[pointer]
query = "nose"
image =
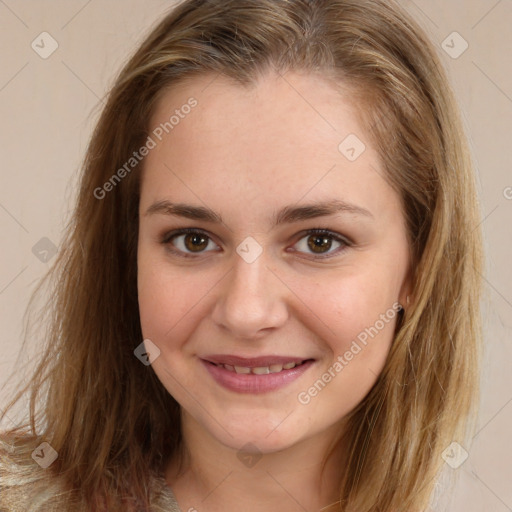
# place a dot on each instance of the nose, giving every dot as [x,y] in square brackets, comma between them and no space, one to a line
[251,300]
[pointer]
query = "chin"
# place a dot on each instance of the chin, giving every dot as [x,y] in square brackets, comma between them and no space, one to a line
[261,436]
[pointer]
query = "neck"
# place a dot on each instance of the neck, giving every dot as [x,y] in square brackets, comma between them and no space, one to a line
[210,476]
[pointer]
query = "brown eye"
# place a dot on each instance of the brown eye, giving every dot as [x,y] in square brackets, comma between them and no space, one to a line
[195,242]
[188,241]
[319,243]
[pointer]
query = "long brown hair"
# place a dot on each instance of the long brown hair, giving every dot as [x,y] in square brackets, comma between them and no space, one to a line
[108,416]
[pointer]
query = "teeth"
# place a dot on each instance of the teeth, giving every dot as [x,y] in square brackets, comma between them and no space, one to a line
[260,370]
[241,369]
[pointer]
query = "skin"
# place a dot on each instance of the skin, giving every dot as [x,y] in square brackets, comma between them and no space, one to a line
[246,153]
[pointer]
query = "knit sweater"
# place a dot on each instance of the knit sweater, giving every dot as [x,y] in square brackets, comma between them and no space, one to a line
[25,488]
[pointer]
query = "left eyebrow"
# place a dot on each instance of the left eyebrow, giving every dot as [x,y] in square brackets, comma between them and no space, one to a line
[310,211]
[286,215]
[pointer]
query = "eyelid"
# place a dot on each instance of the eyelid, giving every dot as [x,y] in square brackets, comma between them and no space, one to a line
[345,241]
[166,237]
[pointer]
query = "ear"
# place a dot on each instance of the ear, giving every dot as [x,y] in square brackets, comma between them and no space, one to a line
[406,291]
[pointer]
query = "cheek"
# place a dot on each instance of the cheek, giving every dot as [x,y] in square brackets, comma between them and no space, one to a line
[355,313]
[170,300]
[360,312]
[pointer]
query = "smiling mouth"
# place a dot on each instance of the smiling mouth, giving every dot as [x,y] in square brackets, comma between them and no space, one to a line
[255,375]
[260,370]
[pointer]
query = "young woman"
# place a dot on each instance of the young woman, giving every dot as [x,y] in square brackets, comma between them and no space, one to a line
[268,296]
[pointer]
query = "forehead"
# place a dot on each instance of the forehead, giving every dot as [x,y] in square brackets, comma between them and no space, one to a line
[281,138]
[269,106]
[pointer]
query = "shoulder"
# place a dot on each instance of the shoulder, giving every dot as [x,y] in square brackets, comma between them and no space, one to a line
[24,485]
[163,499]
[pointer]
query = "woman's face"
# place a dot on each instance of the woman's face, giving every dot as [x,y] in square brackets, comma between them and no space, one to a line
[252,171]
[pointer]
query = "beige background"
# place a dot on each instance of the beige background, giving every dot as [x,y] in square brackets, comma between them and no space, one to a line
[49,106]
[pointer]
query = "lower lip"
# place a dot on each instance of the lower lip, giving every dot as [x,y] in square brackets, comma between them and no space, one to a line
[250,383]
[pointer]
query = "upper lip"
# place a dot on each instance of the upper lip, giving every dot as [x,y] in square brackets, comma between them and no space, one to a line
[253,362]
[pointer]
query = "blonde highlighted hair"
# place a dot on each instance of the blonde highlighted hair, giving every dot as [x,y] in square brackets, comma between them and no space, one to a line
[111,421]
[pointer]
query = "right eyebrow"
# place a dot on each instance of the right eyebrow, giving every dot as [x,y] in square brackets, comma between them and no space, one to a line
[184,210]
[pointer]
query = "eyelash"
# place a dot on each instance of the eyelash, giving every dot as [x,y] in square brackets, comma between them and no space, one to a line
[166,240]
